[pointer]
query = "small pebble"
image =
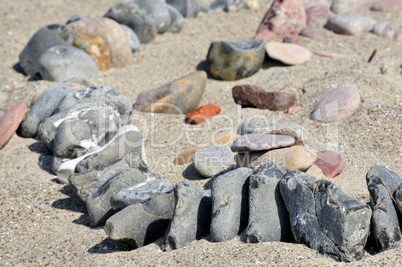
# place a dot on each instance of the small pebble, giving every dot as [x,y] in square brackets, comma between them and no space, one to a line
[350,25]
[314,33]
[202,113]
[387,6]
[385,30]
[290,54]
[330,163]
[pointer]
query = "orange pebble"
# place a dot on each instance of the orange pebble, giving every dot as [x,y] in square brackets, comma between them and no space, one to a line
[202,113]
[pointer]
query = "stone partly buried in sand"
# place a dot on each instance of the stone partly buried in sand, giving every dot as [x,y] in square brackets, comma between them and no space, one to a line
[231,61]
[290,54]
[350,25]
[202,113]
[249,95]
[177,97]
[337,105]
[261,142]
[10,122]
[330,163]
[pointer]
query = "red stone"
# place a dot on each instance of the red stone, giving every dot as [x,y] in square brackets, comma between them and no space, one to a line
[10,122]
[202,113]
[330,163]
[388,6]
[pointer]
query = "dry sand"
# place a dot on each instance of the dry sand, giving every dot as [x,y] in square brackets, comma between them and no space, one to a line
[42,222]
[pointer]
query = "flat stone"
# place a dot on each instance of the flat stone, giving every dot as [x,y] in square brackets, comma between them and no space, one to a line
[46,37]
[350,25]
[314,33]
[188,8]
[202,113]
[177,20]
[291,54]
[231,61]
[248,95]
[211,160]
[337,105]
[330,163]
[177,97]
[350,6]
[317,15]
[261,142]
[385,30]
[289,158]
[131,37]
[230,194]
[10,121]
[192,216]
[387,6]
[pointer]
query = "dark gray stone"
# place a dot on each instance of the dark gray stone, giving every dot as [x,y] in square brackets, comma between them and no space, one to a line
[230,204]
[268,217]
[324,218]
[192,216]
[46,37]
[76,17]
[188,8]
[211,160]
[132,38]
[158,11]
[177,20]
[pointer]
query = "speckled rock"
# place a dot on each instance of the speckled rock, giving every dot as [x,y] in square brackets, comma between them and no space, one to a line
[10,121]
[94,46]
[188,8]
[131,37]
[211,160]
[314,33]
[387,6]
[350,25]
[177,20]
[350,6]
[317,15]
[261,142]
[290,54]
[330,163]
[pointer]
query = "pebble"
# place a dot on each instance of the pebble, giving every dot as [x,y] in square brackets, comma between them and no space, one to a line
[387,6]
[350,25]
[350,6]
[330,163]
[211,160]
[337,105]
[202,113]
[46,37]
[177,20]
[290,54]
[188,8]
[10,121]
[177,97]
[131,37]
[158,11]
[249,95]
[228,60]
[292,110]
[317,15]
[261,142]
[62,62]
[385,30]
[314,33]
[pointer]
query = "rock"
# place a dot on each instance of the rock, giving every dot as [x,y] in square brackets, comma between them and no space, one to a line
[314,33]
[350,6]
[177,97]
[112,34]
[291,39]
[231,61]
[211,160]
[177,20]
[76,17]
[187,155]
[204,7]
[44,38]
[136,17]
[192,216]
[61,62]
[188,8]
[382,184]
[10,121]
[350,25]
[325,218]
[202,113]
[330,163]
[317,15]
[268,217]
[158,11]
[387,6]
[230,193]
[290,54]
[309,3]
[385,30]
[323,53]
[289,158]
[337,105]
[261,142]
[248,95]
[284,17]
[292,110]
[131,37]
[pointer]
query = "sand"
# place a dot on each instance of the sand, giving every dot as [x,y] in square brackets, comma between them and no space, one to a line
[43,223]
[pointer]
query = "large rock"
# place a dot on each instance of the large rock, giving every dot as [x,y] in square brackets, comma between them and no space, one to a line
[177,97]
[261,142]
[325,218]
[10,121]
[94,46]
[231,61]
[211,160]
[350,25]
[188,8]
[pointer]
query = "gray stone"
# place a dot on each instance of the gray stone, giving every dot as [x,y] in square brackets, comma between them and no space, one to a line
[192,216]
[268,217]
[158,11]
[188,8]
[46,37]
[230,204]
[213,159]
[76,17]
[382,184]
[177,20]
[132,38]
[260,142]
[78,80]
[350,25]
[204,7]
[324,218]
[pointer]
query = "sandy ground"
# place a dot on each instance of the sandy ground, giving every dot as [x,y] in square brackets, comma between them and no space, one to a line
[43,223]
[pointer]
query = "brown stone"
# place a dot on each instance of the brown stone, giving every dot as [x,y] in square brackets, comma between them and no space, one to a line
[10,121]
[94,46]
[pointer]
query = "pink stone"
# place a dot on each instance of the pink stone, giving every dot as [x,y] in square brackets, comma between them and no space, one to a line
[10,121]
[330,163]
[317,15]
[388,6]
[314,33]
[384,29]
[291,54]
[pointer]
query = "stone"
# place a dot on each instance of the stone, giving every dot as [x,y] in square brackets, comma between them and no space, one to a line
[261,142]
[136,17]
[385,30]
[323,53]
[289,158]
[290,54]
[94,46]
[112,34]
[230,193]
[231,61]
[350,25]
[10,121]
[61,62]
[158,12]
[249,95]
[337,105]
[76,17]
[324,218]
[284,17]
[177,97]
[330,163]
[317,15]
[211,160]
[202,113]
[192,216]
[309,3]
[131,37]
[314,33]
[46,37]
[291,39]
[292,110]
[221,137]
[177,20]
[387,6]
[268,217]
[204,7]
[188,8]
[382,184]
[350,6]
